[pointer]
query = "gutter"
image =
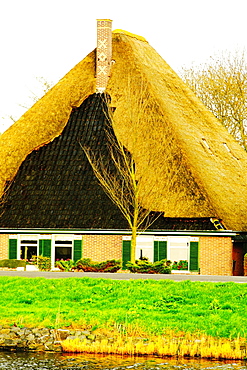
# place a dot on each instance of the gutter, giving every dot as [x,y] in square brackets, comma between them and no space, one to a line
[211,233]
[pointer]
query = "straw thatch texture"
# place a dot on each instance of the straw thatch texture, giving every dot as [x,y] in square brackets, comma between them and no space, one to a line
[189,165]
[46,119]
[198,169]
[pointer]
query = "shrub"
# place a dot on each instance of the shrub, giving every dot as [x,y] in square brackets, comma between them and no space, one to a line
[181,265]
[85,264]
[43,263]
[12,263]
[65,265]
[245,264]
[144,266]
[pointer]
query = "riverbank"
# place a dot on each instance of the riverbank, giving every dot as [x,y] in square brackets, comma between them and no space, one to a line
[137,317]
[39,339]
[172,344]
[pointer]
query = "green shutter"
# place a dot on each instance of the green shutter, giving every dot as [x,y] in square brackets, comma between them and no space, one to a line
[77,250]
[156,250]
[126,248]
[12,249]
[45,248]
[194,265]
[160,250]
[40,253]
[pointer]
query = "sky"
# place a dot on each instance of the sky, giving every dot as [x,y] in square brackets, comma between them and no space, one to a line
[48,38]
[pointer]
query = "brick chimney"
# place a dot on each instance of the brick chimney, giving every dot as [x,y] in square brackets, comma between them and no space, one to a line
[104,53]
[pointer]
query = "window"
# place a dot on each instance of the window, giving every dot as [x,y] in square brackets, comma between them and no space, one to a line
[28,246]
[63,247]
[51,246]
[184,249]
[156,248]
[178,249]
[144,247]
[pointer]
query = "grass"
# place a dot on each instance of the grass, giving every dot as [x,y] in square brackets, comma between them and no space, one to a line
[170,344]
[214,309]
[164,317]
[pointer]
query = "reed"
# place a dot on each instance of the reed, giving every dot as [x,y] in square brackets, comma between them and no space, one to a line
[170,344]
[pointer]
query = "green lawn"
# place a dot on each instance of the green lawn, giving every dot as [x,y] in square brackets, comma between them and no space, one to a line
[217,309]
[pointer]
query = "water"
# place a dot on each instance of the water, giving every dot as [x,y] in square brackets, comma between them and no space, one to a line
[50,361]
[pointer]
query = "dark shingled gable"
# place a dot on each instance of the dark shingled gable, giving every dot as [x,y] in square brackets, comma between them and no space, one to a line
[55,187]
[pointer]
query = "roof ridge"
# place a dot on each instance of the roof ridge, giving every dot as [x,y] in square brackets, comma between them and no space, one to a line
[141,38]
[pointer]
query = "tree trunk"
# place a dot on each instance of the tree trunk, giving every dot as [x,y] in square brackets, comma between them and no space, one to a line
[135,221]
[133,245]
[25,257]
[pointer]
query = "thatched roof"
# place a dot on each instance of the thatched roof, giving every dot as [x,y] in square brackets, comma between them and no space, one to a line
[55,186]
[199,170]
[195,168]
[46,119]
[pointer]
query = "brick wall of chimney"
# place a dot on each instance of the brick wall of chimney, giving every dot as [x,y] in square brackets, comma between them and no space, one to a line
[104,53]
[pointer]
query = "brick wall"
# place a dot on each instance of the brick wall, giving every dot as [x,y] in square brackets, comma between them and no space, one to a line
[215,255]
[102,247]
[104,53]
[4,242]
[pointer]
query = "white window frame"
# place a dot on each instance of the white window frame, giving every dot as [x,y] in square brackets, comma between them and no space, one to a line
[61,237]
[145,243]
[179,240]
[21,237]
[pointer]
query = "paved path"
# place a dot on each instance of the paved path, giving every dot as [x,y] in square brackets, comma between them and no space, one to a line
[125,276]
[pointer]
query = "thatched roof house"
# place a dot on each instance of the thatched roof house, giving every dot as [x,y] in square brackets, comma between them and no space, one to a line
[198,168]
[195,168]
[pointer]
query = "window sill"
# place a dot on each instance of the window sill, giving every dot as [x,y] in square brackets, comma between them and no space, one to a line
[180,272]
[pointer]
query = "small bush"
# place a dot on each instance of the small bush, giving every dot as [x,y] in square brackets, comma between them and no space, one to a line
[144,266]
[181,265]
[85,264]
[65,265]
[43,263]
[12,263]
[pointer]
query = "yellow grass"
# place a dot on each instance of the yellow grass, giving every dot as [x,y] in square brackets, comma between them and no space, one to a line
[171,344]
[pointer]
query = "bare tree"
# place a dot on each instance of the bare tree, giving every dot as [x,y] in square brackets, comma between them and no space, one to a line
[41,89]
[221,84]
[116,171]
